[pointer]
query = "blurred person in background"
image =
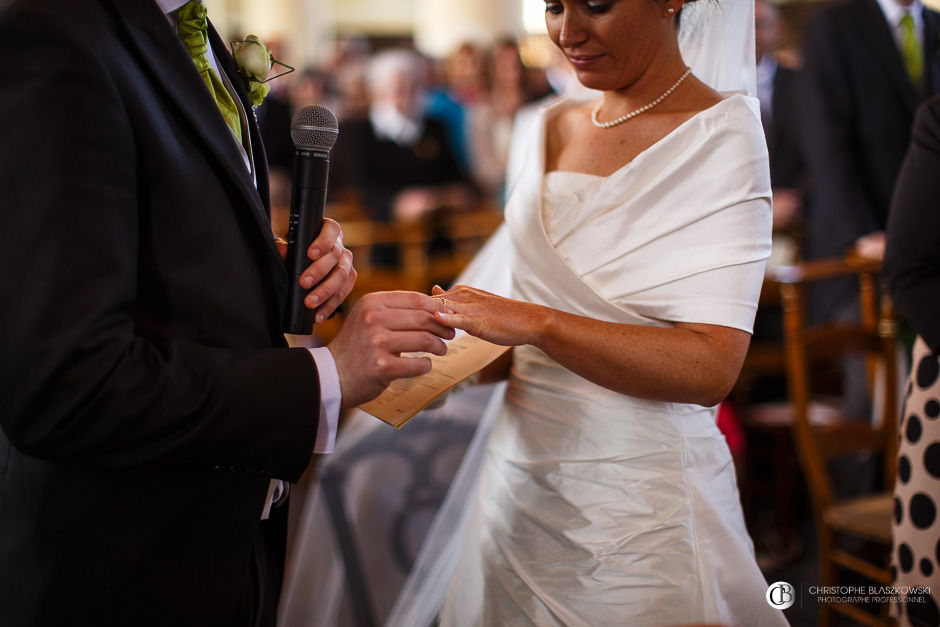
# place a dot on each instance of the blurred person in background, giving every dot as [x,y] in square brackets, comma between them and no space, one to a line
[399,159]
[346,72]
[868,63]
[489,123]
[461,87]
[778,91]
[311,86]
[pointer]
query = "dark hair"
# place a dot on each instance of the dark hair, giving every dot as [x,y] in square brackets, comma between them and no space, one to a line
[679,14]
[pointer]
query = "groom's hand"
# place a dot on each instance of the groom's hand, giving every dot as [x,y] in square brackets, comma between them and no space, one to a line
[331,270]
[368,349]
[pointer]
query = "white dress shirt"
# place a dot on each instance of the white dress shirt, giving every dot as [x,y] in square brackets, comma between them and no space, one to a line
[330,392]
[894,12]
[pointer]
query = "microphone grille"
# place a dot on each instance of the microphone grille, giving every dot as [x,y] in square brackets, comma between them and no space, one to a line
[314,128]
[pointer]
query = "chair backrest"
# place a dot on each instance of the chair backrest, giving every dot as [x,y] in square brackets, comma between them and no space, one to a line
[809,347]
[421,262]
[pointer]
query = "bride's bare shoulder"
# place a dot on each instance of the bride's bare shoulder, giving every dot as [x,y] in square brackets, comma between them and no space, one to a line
[568,121]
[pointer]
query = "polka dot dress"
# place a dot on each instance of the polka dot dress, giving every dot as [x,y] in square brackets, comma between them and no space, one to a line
[915,558]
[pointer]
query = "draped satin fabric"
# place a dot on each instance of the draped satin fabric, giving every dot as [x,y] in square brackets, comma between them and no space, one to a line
[596,508]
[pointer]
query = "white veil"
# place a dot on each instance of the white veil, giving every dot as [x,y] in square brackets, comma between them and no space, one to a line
[716,38]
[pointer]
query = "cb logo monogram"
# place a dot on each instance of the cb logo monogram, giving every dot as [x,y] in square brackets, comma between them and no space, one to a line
[780,595]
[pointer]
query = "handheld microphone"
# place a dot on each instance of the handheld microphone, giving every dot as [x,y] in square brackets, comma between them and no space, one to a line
[313,131]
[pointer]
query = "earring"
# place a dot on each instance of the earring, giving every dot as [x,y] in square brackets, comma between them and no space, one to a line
[670,11]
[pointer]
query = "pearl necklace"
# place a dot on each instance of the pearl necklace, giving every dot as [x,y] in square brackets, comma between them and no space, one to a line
[643,109]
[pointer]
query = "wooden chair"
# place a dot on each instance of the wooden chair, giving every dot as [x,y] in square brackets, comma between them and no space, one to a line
[419,266]
[822,437]
[771,481]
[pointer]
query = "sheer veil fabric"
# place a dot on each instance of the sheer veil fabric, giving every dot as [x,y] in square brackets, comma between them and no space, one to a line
[717,41]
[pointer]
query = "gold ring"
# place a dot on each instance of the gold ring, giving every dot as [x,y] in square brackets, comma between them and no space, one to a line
[444,302]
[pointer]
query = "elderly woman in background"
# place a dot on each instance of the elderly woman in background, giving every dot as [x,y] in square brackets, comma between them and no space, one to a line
[399,160]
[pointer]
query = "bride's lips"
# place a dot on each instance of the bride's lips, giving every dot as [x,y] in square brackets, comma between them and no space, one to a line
[581,61]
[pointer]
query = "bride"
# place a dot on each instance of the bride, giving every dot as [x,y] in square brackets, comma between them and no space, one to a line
[639,233]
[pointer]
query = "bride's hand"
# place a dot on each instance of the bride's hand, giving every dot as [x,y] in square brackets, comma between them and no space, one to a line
[492,318]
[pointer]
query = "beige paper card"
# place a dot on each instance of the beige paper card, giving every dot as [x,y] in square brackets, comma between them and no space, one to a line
[406,397]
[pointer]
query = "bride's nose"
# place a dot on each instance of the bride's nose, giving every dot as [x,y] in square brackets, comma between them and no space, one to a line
[572,33]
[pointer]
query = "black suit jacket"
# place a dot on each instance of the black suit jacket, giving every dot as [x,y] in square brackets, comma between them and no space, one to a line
[912,253]
[782,130]
[145,396]
[859,108]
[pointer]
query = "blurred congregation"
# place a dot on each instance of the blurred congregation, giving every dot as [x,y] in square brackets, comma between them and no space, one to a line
[419,177]
[834,423]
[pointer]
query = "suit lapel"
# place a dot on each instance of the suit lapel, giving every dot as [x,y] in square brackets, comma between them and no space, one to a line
[932,50]
[227,65]
[874,33]
[170,66]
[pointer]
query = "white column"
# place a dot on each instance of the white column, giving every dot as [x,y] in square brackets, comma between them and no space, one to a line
[314,31]
[306,27]
[442,25]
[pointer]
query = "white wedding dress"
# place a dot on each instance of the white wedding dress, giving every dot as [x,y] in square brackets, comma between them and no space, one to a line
[596,508]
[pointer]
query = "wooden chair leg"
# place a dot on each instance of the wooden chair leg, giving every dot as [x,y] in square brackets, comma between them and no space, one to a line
[827,574]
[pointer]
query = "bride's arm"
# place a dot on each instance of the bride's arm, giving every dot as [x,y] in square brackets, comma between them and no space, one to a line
[688,363]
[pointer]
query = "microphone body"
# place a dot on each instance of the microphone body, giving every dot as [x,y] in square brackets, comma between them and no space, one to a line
[314,131]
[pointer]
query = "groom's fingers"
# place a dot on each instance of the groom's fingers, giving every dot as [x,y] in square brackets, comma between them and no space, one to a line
[334,289]
[404,367]
[409,320]
[413,342]
[412,300]
[330,235]
[405,311]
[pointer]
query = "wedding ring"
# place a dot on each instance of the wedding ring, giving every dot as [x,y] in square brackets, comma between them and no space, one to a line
[444,302]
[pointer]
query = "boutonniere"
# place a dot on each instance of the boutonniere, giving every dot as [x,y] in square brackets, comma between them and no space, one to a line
[254,62]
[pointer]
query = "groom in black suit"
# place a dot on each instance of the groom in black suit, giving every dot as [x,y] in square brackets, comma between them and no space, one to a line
[147,397]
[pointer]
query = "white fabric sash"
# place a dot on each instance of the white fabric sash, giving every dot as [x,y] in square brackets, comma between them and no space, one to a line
[644,244]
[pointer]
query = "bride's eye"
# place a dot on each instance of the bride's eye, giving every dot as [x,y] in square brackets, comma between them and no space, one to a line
[598,7]
[554,8]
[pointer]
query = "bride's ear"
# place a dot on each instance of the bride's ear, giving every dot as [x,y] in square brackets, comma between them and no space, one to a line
[671,8]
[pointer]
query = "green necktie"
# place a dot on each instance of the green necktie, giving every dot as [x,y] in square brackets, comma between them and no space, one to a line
[192,28]
[910,49]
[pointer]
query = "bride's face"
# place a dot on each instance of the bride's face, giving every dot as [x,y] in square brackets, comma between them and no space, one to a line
[611,43]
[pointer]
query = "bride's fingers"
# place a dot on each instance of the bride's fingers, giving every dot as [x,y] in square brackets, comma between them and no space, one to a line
[437,290]
[455,320]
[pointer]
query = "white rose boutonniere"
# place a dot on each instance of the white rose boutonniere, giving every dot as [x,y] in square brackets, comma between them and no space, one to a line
[254,61]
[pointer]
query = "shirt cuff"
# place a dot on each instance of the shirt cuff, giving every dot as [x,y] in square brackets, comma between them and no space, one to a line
[330,397]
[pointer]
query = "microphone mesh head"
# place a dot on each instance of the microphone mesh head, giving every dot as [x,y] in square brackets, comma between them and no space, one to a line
[314,128]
